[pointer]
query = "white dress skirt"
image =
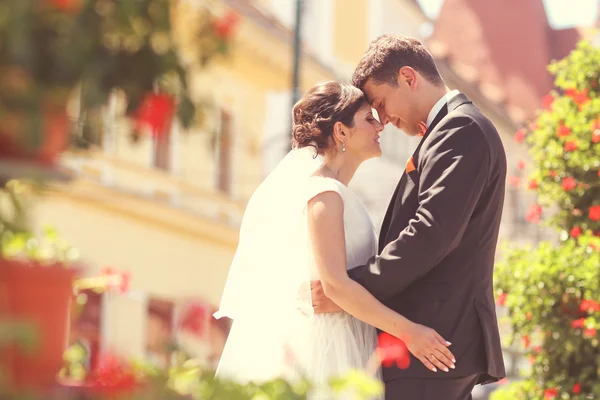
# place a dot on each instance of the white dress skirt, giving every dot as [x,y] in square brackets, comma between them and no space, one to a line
[317,347]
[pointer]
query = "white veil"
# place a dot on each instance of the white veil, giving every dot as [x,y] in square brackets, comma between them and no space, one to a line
[268,281]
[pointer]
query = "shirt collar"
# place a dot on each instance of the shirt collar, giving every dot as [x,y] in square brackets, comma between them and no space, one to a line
[440,103]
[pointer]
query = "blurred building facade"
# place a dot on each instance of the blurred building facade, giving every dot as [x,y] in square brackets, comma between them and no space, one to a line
[167,209]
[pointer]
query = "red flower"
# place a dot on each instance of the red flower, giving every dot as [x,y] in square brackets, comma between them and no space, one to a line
[392,350]
[571,146]
[521,164]
[596,131]
[534,213]
[568,183]
[550,393]
[194,320]
[124,285]
[537,349]
[578,323]
[225,26]
[576,388]
[156,112]
[520,135]
[514,181]
[501,299]
[503,381]
[547,101]
[533,184]
[595,213]
[526,341]
[590,332]
[528,316]
[563,130]
[71,6]
[576,232]
[580,98]
[570,92]
[553,174]
[113,377]
[589,305]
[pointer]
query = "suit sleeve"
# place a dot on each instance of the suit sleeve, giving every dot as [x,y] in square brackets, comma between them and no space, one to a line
[453,172]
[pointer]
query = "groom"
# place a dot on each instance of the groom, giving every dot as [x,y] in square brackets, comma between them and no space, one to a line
[438,239]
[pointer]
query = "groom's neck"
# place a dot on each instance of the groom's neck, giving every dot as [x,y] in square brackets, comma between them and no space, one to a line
[431,95]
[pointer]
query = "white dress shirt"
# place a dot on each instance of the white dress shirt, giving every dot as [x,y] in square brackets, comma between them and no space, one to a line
[438,106]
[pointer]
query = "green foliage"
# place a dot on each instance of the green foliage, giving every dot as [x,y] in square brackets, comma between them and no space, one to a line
[548,292]
[189,379]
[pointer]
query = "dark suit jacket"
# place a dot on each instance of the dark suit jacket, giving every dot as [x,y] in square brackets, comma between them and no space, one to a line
[438,241]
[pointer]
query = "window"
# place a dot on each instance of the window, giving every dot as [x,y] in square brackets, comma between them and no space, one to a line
[89,129]
[159,332]
[224,149]
[162,149]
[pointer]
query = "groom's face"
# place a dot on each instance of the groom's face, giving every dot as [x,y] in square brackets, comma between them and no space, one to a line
[393,105]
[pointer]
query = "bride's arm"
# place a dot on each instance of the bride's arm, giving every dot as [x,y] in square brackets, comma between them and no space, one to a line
[326,232]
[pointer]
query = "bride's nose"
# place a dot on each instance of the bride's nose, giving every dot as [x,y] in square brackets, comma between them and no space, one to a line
[379,126]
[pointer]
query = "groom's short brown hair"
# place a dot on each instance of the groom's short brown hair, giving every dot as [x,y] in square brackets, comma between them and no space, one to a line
[387,54]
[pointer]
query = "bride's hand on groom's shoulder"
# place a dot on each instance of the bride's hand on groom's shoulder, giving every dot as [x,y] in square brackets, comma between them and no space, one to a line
[429,347]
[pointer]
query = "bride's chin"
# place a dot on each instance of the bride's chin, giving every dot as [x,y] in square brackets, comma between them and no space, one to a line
[377,153]
[378,150]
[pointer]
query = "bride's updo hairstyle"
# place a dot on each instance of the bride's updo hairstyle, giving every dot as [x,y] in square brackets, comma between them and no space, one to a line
[315,114]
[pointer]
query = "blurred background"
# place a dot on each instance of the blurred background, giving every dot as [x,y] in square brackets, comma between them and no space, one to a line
[163,207]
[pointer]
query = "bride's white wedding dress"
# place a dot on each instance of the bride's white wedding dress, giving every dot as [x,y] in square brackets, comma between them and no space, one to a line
[274,333]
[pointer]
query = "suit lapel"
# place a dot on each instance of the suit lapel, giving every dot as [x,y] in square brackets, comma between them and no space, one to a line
[450,106]
[388,216]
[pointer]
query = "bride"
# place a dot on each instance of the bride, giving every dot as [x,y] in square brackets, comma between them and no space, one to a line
[303,223]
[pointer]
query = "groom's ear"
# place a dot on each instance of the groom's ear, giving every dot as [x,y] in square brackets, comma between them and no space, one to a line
[407,76]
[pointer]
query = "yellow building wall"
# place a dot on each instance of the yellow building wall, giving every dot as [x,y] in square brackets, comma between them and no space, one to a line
[169,254]
[259,63]
[351,32]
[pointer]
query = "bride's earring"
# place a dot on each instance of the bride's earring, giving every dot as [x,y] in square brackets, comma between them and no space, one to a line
[343,148]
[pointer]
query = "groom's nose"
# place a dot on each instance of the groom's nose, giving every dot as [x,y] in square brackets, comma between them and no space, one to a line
[383,117]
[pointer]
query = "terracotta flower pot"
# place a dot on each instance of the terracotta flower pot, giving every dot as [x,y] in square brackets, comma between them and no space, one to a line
[40,295]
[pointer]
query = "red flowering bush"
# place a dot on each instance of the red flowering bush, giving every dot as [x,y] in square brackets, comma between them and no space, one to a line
[564,143]
[552,292]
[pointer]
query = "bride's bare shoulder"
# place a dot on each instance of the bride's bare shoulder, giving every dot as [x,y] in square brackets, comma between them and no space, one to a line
[320,187]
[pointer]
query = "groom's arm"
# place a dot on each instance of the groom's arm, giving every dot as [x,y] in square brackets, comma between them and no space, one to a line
[452,174]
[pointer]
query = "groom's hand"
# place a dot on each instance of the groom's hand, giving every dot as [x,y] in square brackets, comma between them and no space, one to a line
[321,303]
